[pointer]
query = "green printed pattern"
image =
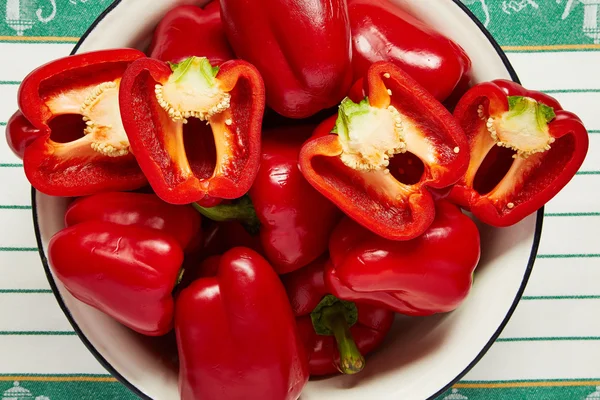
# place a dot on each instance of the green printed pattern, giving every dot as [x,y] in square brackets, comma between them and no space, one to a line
[524,393]
[48,390]
[513,22]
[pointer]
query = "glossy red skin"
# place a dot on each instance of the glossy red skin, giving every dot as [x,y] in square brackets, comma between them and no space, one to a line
[424,276]
[303,76]
[148,126]
[20,133]
[127,272]
[296,220]
[382,31]
[544,180]
[396,218]
[59,175]
[306,288]
[145,210]
[236,334]
[187,31]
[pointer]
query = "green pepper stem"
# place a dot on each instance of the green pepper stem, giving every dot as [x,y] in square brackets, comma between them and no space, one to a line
[242,210]
[351,361]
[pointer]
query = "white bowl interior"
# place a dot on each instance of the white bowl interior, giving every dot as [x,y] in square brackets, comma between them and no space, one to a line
[421,355]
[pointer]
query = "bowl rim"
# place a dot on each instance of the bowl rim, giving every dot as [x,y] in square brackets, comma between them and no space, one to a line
[123,380]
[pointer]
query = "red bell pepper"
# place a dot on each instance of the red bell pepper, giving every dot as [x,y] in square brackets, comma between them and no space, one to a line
[337,334]
[382,31]
[237,336]
[360,166]
[220,237]
[187,31]
[301,48]
[145,210]
[20,134]
[127,272]
[427,275]
[75,144]
[184,165]
[294,220]
[524,149]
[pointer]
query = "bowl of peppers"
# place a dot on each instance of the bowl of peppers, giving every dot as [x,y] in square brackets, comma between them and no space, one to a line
[282,199]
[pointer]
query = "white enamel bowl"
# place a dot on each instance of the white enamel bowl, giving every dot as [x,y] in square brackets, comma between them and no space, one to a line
[422,357]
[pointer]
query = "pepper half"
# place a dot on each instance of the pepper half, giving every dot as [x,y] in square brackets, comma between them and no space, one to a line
[80,146]
[427,275]
[361,168]
[186,165]
[187,31]
[337,334]
[524,149]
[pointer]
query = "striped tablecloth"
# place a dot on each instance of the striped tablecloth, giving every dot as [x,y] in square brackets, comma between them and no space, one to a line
[549,350]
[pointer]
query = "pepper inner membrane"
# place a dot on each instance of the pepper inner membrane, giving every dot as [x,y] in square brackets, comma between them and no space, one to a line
[66,128]
[493,169]
[200,148]
[406,168]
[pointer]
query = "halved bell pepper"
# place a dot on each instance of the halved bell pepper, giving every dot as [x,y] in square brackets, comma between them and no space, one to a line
[75,144]
[382,31]
[125,271]
[165,110]
[337,334]
[427,275]
[294,220]
[524,149]
[140,209]
[236,334]
[301,48]
[187,31]
[360,166]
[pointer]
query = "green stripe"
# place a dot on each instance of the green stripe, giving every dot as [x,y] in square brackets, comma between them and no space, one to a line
[18,249]
[549,50]
[568,256]
[588,173]
[548,339]
[571,91]
[37,333]
[571,297]
[11,165]
[593,131]
[24,291]
[40,41]
[573,214]
[10,207]
[3,123]
[10,82]
[533,380]
[59,375]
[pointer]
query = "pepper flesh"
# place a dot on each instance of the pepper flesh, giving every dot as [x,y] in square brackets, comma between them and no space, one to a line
[145,210]
[250,338]
[20,134]
[300,79]
[127,272]
[548,146]
[72,156]
[306,289]
[427,275]
[186,166]
[187,31]
[382,31]
[356,167]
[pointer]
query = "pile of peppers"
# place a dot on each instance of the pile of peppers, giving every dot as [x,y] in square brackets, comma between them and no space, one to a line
[273,181]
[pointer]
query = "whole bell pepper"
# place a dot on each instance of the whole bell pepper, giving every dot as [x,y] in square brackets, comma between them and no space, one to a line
[145,210]
[359,165]
[382,31]
[524,149]
[337,334]
[303,76]
[125,271]
[427,275]
[163,110]
[236,334]
[294,220]
[187,31]
[70,133]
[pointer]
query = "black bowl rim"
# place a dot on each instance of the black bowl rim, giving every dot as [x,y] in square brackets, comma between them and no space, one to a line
[113,371]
